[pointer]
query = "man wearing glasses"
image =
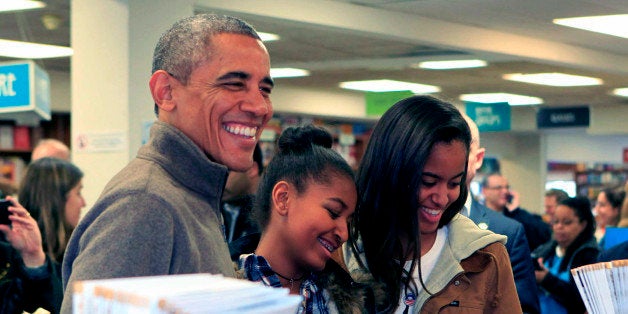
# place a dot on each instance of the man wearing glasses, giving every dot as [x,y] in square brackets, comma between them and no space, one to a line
[499,197]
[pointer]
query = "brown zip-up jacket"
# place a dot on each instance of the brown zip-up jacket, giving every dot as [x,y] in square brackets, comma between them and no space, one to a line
[472,275]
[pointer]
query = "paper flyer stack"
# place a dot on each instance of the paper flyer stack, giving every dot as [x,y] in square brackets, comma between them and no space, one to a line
[194,293]
[603,286]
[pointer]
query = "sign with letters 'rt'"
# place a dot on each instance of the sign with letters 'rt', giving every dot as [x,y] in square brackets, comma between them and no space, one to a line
[24,92]
[489,117]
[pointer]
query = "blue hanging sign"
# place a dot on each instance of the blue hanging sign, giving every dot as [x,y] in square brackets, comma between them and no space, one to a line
[24,92]
[489,117]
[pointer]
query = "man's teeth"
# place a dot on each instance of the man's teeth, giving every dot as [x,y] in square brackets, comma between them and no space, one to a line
[328,246]
[241,130]
[432,212]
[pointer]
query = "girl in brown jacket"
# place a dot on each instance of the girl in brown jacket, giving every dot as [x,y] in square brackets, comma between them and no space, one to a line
[407,235]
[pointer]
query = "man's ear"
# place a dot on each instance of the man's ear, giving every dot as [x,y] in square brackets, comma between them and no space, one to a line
[161,89]
[480,157]
[281,197]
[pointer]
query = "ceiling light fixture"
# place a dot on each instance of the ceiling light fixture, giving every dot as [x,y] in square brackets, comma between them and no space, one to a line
[266,37]
[623,92]
[288,72]
[17,5]
[511,99]
[553,79]
[452,64]
[389,86]
[25,50]
[615,25]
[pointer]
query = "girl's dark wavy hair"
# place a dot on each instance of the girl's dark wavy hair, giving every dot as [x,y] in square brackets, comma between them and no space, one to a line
[389,180]
[304,156]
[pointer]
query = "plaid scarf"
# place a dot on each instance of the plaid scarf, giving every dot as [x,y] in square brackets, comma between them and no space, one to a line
[257,269]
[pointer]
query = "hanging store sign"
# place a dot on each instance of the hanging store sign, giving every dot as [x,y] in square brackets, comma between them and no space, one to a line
[24,92]
[489,117]
[378,102]
[563,117]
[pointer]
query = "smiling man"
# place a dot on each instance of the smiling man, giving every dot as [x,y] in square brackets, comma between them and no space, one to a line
[161,214]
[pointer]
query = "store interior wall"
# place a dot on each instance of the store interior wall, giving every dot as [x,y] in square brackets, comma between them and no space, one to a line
[108,91]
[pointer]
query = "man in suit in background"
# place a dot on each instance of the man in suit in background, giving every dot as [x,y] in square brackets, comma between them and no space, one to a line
[485,218]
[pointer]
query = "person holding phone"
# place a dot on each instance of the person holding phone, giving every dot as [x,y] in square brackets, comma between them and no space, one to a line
[29,279]
[499,197]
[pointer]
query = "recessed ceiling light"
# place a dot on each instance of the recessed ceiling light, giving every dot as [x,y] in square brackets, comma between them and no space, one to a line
[616,25]
[25,50]
[266,37]
[621,91]
[288,72]
[451,64]
[511,99]
[553,79]
[17,5]
[389,86]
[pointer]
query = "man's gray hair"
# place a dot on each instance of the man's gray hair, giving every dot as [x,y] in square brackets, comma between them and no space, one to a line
[187,43]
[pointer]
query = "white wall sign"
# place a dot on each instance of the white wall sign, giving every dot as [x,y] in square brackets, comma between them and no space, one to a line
[101,142]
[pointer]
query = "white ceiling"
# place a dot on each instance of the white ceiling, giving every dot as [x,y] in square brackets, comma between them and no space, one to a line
[373,39]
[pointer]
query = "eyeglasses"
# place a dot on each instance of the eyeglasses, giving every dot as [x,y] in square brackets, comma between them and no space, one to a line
[499,187]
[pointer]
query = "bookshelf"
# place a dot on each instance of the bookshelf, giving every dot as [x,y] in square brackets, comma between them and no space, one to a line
[350,136]
[590,182]
[16,143]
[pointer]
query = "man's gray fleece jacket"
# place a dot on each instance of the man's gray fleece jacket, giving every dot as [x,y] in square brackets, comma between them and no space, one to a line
[159,215]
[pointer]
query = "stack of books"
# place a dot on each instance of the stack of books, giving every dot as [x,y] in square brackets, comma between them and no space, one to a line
[603,286]
[193,293]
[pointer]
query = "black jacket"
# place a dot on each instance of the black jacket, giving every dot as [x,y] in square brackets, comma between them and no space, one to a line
[567,293]
[537,231]
[21,292]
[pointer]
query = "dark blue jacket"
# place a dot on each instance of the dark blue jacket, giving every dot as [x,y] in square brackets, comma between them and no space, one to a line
[518,250]
[537,231]
[619,251]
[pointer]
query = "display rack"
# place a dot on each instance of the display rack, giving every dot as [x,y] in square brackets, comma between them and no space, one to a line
[350,136]
[16,142]
[590,182]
